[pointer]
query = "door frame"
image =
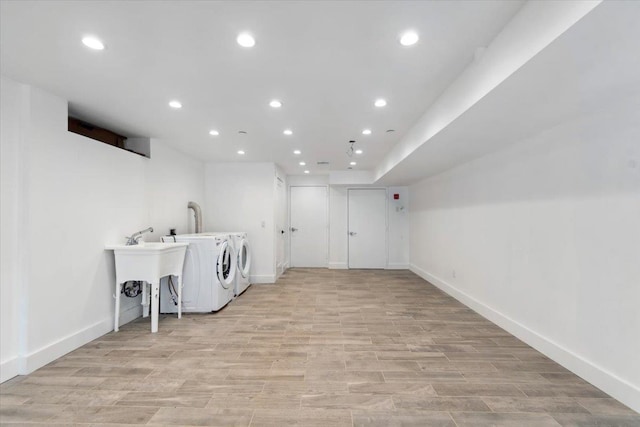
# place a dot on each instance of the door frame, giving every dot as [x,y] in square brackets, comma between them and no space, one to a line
[326,187]
[280,269]
[386,224]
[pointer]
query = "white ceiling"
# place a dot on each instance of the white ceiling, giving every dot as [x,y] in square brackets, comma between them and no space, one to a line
[591,68]
[327,61]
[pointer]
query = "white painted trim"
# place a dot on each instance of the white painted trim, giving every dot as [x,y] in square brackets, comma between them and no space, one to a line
[9,369]
[608,382]
[338,266]
[262,278]
[39,358]
[397,266]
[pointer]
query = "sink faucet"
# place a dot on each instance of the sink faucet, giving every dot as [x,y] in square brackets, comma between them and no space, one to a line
[135,237]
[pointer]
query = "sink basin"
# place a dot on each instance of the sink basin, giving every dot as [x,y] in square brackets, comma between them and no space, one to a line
[148,262]
[149,246]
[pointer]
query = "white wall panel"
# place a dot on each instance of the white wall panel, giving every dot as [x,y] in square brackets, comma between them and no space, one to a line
[398,228]
[14,98]
[544,239]
[241,197]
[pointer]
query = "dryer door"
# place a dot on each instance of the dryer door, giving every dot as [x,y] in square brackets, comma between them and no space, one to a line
[244,258]
[225,269]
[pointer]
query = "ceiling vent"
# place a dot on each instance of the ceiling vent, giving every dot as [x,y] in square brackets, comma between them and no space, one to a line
[323,163]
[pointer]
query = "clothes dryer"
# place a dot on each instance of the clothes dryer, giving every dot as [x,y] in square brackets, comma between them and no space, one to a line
[208,275]
[242,261]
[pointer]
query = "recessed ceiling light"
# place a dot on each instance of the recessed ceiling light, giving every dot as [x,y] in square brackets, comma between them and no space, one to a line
[366,132]
[241,152]
[288,132]
[358,151]
[409,38]
[175,104]
[306,171]
[380,102]
[302,163]
[246,40]
[297,152]
[93,43]
[353,163]
[214,132]
[275,103]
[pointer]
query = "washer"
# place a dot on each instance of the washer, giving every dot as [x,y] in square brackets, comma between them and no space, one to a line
[243,259]
[208,275]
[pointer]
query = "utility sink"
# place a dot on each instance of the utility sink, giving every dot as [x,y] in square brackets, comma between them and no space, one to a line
[148,262]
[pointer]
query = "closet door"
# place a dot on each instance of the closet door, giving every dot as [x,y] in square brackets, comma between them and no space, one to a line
[367,232]
[309,227]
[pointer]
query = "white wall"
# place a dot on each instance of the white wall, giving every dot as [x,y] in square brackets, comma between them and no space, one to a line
[173,179]
[543,238]
[79,194]
[398,218]
[241,197]
[11,116]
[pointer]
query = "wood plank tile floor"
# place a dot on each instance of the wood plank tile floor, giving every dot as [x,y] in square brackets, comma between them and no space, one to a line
[319,348]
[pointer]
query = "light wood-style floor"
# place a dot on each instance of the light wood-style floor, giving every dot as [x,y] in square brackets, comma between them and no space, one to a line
[319,348]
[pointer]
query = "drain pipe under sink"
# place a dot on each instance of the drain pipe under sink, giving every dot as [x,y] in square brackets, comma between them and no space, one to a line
[197,213]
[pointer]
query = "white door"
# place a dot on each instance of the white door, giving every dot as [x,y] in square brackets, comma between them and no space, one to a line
[309,226]
[367,231]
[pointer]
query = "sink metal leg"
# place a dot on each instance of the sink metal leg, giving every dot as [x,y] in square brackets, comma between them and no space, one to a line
[117,313]
[155,298]
[180,297]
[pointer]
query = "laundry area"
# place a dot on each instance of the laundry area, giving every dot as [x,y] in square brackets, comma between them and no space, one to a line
[319,213]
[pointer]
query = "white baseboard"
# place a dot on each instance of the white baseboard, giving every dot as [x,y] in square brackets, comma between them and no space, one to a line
[262,278]
[37,359]
[9,369]
[397,266]
[618,388]
[338,266]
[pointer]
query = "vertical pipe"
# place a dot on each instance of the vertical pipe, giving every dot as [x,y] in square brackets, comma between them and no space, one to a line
[197,213]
